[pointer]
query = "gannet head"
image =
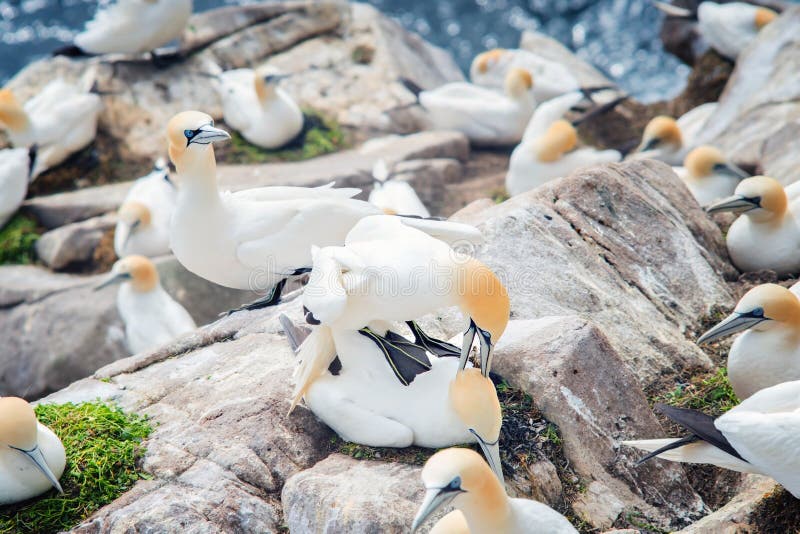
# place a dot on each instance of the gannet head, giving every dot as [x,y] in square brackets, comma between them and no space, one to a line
[19,432]
[266,80]
[518,82]
[762,198]
[325,297]
[474,398]
[661,132]
[763,16]
[190,135]
[484,298]
[705,161]
[138,271]
[485,61]
[560,138]
[132,216]
[762,308]
[12,114]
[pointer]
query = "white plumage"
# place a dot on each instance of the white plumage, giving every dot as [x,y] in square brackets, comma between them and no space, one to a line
[14,172]
[730,28]
[395,196]
[670,140]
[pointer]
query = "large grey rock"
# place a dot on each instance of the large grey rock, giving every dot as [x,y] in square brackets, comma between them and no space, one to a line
[60,209]
[734,517]
[549,48]
[73,243]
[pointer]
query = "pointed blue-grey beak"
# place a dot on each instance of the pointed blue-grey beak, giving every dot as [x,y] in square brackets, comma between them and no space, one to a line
[35,455]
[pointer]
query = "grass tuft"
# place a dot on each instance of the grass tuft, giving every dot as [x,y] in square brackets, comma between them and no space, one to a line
[17,239]
[710,393]
[103,446]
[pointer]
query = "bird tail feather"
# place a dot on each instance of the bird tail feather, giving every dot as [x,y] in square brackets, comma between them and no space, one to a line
[316,354]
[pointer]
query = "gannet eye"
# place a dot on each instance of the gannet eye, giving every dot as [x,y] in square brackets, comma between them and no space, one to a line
[188,133]
[758,312]
[455,484]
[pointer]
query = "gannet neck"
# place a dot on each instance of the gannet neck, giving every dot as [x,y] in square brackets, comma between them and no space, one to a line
[198,173]
[12,114]
[485,505]
[518,83]
[483,297]
[264,91]
[559,139]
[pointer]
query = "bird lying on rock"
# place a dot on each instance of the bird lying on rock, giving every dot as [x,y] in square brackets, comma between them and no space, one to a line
[16,165]
[670,140]
[32,458]
[394,197]
[709,175]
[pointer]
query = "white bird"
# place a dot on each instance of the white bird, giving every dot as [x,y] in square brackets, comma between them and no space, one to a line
[387,391]
[767,352]
[766,235]
[254,105]
[728,28]
[152,318]
[59,121]
[709,175]
[143,218]
[15,169]
[670,140]
[132,27]
[485,116]
[394,197]
[461,477]
[760,435]
[32,458]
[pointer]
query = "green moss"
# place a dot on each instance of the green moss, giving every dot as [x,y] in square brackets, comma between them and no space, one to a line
[408,455]
[710,393]
[637,519]
[499,195]
[103,446]
[17,239]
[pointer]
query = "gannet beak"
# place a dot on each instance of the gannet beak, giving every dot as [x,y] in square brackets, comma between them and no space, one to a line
[730,169]
[208,134]
[650,145]
[435,498]
[115,278]
[36,456]
[735,322]
[466,344]
[127,230]
[275,78]
[491,450]
[735,204]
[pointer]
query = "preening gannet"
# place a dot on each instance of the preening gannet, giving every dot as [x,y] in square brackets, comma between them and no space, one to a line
[255,106]
[760,435]
[152,318]
[709,175]
[461,477]
[768,352]
[670,140]
[59,121]
[766,235]
[32,458]
[486,116]
[395,197]
[143,218]
[15,170]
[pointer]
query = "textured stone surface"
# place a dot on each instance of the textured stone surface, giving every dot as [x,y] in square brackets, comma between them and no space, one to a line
[733,518]
[73,243]
[65,208]
[549,48]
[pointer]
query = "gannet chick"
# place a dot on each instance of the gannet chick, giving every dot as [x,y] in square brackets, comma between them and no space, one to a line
[670,140]
[394,197]
[709,175]
[132,27]
[552,155]
[757,436]
[768,352]
[485,116]
[461,477]
[59,121]
[32,458]
[766,235]
[152,318]
[15,169]
[143,218]
[256,107]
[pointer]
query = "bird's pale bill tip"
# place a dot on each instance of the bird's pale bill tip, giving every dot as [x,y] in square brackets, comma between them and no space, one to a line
[435,498]
[736,322]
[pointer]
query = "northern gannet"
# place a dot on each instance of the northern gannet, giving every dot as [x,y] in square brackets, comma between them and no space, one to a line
[709,175]
[768,352]
[59,121]
[757,436]
[670,140]
[461,477]
[15,170]
[32,458]
[143,218]
[256,107]
[766,235]
[394,197]
[152,318]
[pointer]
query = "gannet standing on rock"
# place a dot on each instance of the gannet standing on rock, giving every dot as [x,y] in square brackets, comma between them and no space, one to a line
[757,436]
[32,458]
[670,140]
[143,218]
[152,318]
[461,477]
[709,175]
[15,170]
[768,352]
[394,197]
[766,235]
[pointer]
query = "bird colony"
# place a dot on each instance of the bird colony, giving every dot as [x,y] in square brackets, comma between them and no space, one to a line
[369,272]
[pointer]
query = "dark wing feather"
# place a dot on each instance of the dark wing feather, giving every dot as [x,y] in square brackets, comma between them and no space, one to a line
[440,348]
[406,359]
[701,425]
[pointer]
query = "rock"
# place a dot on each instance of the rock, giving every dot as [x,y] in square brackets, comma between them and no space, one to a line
[60,209]
[598,506]
[73,243]
[28,284]
[549,48]
[734,517]
[541,483]
[430,178]
[779,156]
[341,494]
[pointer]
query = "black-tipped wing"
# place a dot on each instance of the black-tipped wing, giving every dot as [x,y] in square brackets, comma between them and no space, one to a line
[412,86]
[443,349]
[691,438]
[406,359]
[295,334]
[700,425]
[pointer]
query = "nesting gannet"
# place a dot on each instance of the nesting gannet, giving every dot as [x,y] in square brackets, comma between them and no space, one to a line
[394,393]
[766,235]
[58,121]
[768,352]
[485,116]
[131,27]
[709,175]
[32,457]
[728,28]
[152,318]
[255,106]
[394,196]
[670,140]
[461,477]
[757,436]
[15,169]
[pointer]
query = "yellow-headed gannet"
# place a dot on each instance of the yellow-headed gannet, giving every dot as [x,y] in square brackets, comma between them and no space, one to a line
[152,318]
[15,170]
[394,197]
[766,235]
[32,457]
[768,352]
[461,477]
[760,435]
[670,140]
[709,175]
